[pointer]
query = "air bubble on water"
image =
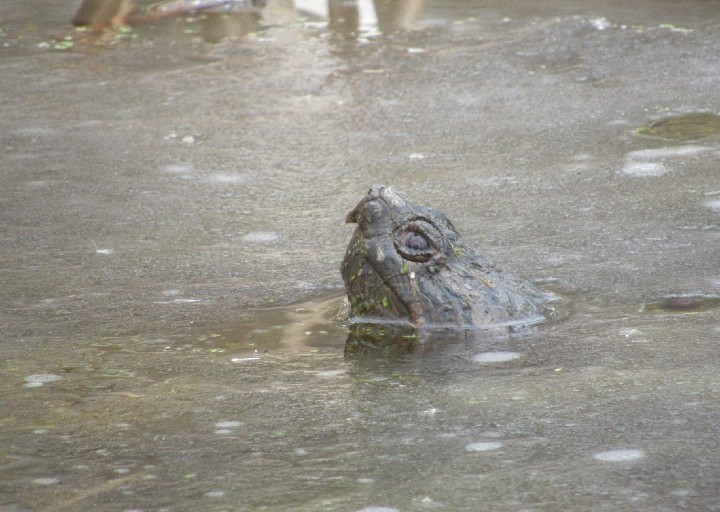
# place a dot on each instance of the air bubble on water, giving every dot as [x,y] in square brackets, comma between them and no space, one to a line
[649,162]
[228,424]
[713,205]
[39,379]
[261,237]
[122,471]
[379,509]
[330,374]
[227,178]
[46,481]
[642,169]
[600,23]
[619,455]
[365,480]
[680,492]
[483,446]
[671,152]
[214,494]
[177,168]
[495,357]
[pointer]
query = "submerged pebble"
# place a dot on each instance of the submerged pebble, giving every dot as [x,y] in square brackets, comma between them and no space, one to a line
[495,357]
[619,455]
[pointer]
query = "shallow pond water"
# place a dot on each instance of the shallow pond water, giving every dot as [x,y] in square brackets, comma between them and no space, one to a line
[171,227]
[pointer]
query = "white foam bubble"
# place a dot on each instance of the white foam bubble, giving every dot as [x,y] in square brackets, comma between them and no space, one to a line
[642,169]
[600,23]
[330,374]
[649,162]
[671,152]
[495,357]
[261,237]
[39,379]
[46,481]
[228,424]
[627,455]
[177,169]
[483,446]
[227,178]
[713,205]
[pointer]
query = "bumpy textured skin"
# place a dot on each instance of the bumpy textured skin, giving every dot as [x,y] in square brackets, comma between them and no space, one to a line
[407,264]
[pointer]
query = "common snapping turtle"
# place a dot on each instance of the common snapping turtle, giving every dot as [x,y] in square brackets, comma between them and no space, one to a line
[407,264]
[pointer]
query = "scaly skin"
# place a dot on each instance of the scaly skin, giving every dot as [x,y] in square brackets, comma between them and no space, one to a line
[407,264]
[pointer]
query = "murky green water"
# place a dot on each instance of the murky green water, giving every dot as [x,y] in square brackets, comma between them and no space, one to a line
[171,227]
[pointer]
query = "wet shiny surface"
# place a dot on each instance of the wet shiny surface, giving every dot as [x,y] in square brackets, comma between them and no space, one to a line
[171,226]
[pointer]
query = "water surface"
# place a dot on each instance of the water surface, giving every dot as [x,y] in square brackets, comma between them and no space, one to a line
[171,226]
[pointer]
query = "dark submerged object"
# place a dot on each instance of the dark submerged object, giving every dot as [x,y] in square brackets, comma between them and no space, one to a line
[407,264]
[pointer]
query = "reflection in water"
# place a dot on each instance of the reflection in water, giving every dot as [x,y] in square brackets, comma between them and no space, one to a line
[362,18]
[220,18]
[399,342]
[102,15]
[348,20]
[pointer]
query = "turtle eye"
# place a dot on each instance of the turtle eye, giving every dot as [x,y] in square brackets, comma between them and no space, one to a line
[416,241]
[413,241]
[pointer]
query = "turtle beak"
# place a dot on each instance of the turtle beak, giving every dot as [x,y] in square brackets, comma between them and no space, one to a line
[354,215]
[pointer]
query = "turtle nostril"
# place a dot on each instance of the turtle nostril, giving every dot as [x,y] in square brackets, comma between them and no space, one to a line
[375,191]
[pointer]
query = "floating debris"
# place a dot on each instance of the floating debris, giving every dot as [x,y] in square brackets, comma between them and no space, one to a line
[683,127]
[682,303]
